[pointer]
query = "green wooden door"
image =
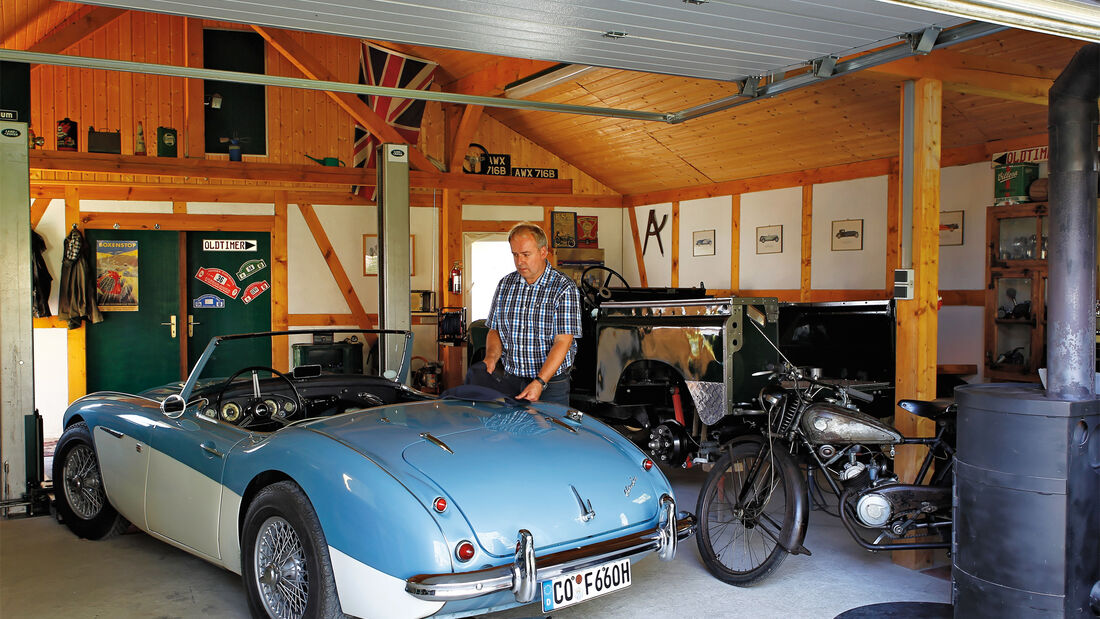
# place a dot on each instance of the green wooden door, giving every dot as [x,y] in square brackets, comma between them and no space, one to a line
[228,291]
[138,272]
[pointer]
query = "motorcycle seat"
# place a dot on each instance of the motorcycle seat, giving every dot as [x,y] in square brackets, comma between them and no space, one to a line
[929,410]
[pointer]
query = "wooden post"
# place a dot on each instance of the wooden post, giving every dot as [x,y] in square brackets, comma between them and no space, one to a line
[450,246]
[917,318]
[675,243]
[280,292]
[735,242]
[807,242]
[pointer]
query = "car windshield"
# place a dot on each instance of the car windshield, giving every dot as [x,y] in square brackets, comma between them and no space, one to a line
[305,353]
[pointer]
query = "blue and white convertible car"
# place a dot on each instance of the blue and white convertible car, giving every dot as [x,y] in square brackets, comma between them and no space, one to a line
[336,493]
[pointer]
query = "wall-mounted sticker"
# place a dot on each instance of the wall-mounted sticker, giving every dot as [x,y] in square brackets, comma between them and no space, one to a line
[254,290]
[588,231]
[229,245]
[208,301]
[116,276]
[250,268]
[218,280]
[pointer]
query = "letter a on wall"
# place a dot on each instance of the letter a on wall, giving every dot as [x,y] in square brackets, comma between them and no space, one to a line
[653,229]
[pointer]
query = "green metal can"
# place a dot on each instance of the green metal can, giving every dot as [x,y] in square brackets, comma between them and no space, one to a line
[1010,182]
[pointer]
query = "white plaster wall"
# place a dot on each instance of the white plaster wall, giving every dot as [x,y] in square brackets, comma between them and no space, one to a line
[960,336]
[629,256]
[969,189]
[658,268]
[780,271]
[51,385]
[865,199]
[706,214]
[123,206]
[52,229]
[230,208]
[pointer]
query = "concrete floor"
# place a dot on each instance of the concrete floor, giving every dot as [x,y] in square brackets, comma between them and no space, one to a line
[46,572]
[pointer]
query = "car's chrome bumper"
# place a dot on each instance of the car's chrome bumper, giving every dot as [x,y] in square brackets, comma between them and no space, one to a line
[524,574]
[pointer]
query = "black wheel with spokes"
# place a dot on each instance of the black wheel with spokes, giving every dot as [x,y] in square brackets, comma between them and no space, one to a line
[78,487]
[287,571]
[748,512]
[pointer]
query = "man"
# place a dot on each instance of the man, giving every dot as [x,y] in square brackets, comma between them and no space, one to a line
[533,321]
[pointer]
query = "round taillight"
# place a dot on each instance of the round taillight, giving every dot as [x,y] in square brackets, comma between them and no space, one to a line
[647,464]
[465,551]
[440,504]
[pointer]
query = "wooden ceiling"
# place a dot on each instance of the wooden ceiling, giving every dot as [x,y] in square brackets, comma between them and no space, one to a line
[994,90]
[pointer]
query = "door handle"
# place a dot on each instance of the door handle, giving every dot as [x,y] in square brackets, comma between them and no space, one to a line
[171,322]
[209,448]
[191,325]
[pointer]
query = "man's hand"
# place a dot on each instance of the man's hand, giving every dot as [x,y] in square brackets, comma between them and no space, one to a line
[494,348]
[531,392]
[490,365]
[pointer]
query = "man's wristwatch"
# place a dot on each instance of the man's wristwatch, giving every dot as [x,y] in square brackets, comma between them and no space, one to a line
[540,381]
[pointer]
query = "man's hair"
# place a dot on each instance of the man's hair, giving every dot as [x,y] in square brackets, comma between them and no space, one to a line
[528,228]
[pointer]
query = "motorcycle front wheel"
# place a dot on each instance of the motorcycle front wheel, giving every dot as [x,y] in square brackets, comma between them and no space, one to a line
[747,512]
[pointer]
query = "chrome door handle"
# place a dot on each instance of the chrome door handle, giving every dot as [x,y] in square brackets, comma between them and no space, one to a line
[210,449]
[171,322]
[191,325]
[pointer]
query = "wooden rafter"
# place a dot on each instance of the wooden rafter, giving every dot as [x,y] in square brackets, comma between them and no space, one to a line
[491,80]
[279,172]
[353,105]
[471,116]
[334,266]
[38,209]
[83,22]
[955,71]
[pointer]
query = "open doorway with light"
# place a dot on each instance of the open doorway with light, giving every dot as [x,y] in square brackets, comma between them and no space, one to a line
[489,258]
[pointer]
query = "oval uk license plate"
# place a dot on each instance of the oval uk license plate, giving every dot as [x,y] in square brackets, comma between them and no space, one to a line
[577,587]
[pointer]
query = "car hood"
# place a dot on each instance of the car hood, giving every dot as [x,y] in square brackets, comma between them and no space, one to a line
[508,468]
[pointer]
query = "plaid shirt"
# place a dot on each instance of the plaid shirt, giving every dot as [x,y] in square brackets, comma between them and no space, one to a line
[528,316]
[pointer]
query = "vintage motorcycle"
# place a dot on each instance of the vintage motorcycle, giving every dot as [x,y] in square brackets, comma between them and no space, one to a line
[810,440]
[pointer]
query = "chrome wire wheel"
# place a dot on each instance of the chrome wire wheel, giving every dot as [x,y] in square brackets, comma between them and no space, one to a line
[280,568]
[81,482]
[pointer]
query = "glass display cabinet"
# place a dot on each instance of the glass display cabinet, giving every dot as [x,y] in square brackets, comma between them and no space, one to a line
[1015,298]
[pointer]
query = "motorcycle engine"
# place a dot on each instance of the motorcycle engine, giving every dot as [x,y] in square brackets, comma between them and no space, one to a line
[873,510]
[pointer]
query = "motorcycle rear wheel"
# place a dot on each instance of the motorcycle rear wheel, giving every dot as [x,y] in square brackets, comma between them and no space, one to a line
[742,543]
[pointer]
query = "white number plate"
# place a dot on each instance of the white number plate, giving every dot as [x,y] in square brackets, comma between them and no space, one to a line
[576,587]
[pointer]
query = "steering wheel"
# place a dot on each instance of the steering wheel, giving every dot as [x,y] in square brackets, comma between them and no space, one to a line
[256,408]
[593,293]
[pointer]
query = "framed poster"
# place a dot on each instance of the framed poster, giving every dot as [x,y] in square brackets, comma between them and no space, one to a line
[563,229]
[847,235]
[951,228]
[587,231]
[769,239]
[116,276]
[370,254]
[702,243]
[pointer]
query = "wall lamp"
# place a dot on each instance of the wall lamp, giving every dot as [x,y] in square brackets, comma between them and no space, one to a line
[213,101]
[544,79]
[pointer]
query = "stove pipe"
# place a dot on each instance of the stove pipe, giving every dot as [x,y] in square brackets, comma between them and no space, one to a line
[1071,319]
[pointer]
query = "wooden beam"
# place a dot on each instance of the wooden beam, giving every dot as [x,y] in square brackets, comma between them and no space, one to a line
[637,245]
[352,104]
[334,266]
[38,209]
[917,318]
[467,127]
[848,171]
[957,77]
[806,273]
[450,247]
[183,193]
[487,226]
[82,23]
[527,199]
[280,281]
[58,161]
[972,298]
[893,225]
[735,242]
[175,221]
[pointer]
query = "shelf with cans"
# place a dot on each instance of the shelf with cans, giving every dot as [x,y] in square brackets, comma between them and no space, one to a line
[1016,290]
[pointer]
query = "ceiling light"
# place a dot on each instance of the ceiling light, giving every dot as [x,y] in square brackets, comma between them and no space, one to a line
[545,79]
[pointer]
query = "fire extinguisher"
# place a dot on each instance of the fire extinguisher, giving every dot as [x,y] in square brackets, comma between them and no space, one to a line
[456,278]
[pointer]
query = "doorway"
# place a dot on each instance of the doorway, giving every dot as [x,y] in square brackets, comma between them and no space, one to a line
[490,258]
[165,294]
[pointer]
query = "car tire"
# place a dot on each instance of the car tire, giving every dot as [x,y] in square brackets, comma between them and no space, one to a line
[284,548]
[81,502]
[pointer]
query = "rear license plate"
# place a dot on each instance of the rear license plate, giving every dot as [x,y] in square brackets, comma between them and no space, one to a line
[577,587]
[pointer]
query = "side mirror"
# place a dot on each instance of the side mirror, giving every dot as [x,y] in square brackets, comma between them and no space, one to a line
[173,406]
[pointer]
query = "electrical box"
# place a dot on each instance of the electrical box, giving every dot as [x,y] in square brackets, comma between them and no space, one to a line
[904,282]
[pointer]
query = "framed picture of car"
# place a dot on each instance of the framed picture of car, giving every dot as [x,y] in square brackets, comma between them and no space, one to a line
[702,243]
[769,239]
[847,235]
[951,228]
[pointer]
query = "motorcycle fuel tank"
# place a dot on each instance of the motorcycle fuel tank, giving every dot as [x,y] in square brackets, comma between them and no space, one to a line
[830,423]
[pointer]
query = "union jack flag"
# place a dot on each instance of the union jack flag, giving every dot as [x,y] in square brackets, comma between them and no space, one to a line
[382,67]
